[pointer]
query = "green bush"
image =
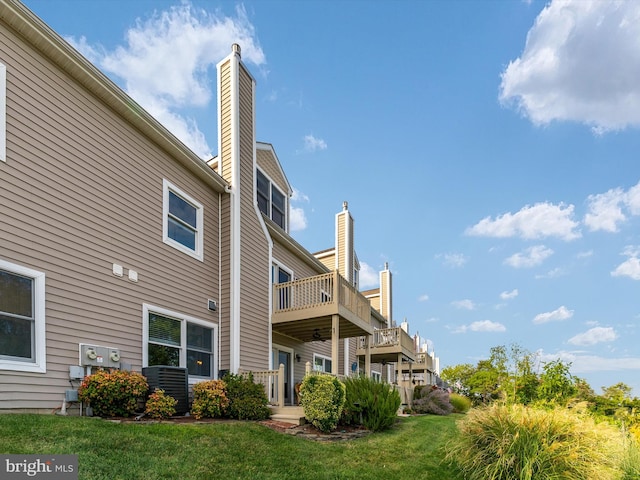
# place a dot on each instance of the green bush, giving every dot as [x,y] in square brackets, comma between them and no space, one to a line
[370,403]
[160,405]
[322,398]
[209,399]
[517,442]
[460,403]
[247,400]
[113,393]
[433,400]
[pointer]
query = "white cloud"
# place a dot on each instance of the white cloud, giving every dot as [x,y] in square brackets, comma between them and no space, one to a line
[313,144]
[585,254]
[608,210]
[558,314]
[594,335]
[423,298]
[455,260]
[630,267]
[481,326]
[531,257]
[464,304]
[580,63]
[509,295]
[297,218]
[166,61]
[530,222]
[553,273]
[581,363]
[368,277]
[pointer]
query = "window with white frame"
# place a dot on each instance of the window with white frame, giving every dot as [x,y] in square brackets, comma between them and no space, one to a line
[179,341]
[377,376]
[271,201]
[3,113]
[22,319]
[182,223]
[280,275]
[321,363]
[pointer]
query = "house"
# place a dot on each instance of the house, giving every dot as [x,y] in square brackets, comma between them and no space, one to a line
[121,248]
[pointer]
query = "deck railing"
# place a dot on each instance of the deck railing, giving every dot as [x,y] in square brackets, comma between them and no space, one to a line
[329,289]
[389,337]
[273,383]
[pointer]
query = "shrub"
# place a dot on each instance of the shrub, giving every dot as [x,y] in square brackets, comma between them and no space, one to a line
[247,400]
[322,398]
[370,403]
[508,442]
[460,403]
[417,391]
[160,405]
[209,399]
[113,393]
[434,401]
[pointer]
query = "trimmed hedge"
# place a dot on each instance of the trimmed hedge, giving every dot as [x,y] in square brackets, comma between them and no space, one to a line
[322,398]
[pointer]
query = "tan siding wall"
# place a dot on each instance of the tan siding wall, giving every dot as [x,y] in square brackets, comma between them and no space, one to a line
[254,263]
[289,259]
[225,121]
[329,262]
[375,302]
[81,189]
[269,165]
[341,244]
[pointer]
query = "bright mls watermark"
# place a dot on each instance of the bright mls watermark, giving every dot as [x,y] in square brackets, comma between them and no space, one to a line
[50,467]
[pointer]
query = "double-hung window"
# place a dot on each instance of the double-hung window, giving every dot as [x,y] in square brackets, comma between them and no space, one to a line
[321,363]
[179,341]
[271,201]
[22,319]
[182,226]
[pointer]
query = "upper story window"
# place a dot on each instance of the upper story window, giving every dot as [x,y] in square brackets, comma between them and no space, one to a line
[22,326]
[3,113]
[182,224]
[271,201]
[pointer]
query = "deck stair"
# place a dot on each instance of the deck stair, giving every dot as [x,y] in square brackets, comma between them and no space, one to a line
[288,414]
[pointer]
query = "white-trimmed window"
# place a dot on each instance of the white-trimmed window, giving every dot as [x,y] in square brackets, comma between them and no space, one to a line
[376,376]
[281,275]
[321,363]
[22,327]
[271,201]
[3,113]
[178,340]
[182,221]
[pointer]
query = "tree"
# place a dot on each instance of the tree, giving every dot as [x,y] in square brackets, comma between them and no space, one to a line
[617,393]
[556,383]
[457,376]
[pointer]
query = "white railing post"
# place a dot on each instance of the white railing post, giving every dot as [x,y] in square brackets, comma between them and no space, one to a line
[281,386]
[307,369]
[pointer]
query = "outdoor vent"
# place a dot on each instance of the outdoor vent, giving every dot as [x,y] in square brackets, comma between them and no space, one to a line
[173,380]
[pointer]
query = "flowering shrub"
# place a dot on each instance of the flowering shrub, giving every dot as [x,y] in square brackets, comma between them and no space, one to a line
[209,399]
[160,405]
[322,398]
[113,393]
[434,401]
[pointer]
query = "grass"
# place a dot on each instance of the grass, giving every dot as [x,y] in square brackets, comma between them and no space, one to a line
[414,448]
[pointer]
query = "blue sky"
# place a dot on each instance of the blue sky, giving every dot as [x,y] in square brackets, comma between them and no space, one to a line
[488,150]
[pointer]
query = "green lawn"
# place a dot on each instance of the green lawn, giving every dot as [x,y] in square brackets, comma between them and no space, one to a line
[413,449]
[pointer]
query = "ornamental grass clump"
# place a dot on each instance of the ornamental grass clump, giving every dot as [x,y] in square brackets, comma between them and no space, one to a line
[518,442]
[460,403]
[322,398]
[370,403]
[209,399]
[160,406]
[113,393]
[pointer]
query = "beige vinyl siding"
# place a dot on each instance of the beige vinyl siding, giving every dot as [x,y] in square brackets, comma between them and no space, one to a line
[375,302]
[254,262]
[328,261]
[341,243]
[224,167]
[81,190]
[269,166]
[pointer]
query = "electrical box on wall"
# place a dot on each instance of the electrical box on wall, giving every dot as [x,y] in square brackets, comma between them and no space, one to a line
[97,356]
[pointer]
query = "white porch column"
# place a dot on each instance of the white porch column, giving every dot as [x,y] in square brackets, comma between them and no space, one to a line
[335,344]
